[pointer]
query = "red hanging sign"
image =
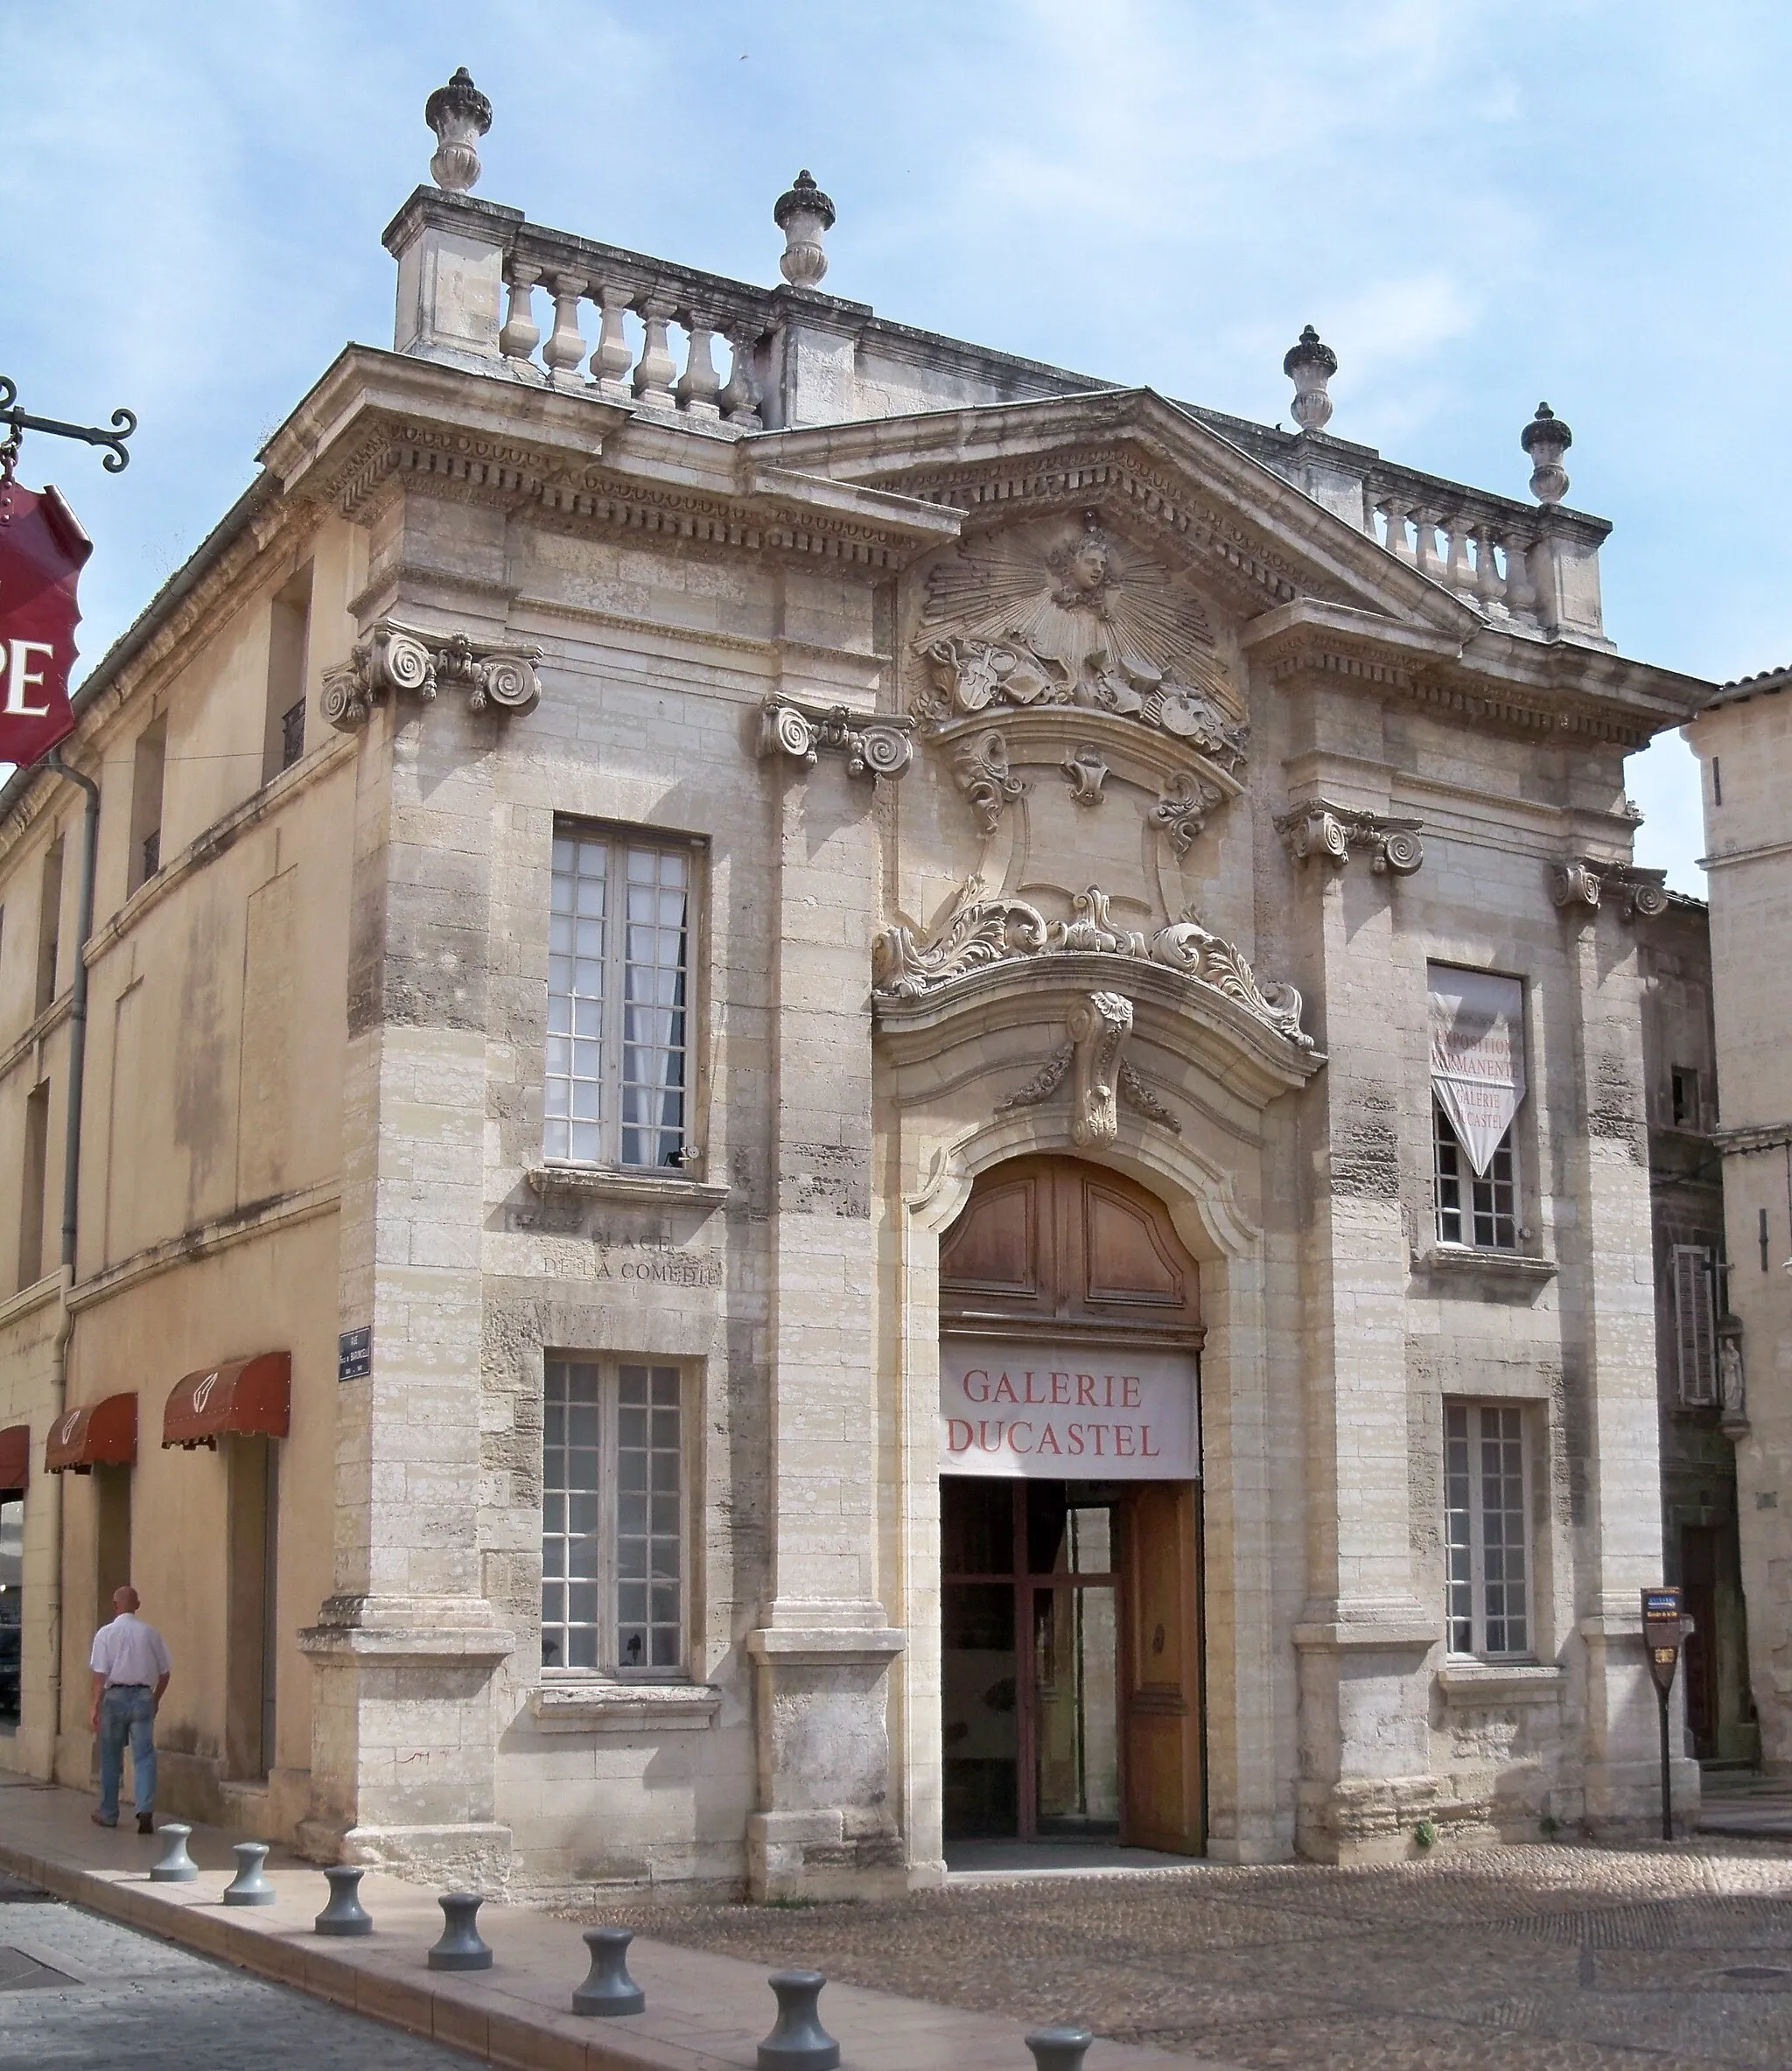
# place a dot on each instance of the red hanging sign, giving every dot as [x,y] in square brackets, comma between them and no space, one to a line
[43,550]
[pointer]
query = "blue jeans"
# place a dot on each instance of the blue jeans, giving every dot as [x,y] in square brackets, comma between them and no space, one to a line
[127,1713]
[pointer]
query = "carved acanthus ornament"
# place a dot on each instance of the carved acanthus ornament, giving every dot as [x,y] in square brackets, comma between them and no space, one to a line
[1050,614]
[397,661]
[1579,884]
[979,931]
[1086,772]
[1320,830]
[872,746]
[1136,1094]
[1182,810]
[980,768]
[1101,1078]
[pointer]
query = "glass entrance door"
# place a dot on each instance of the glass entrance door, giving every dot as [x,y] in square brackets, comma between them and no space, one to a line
[1031,1670]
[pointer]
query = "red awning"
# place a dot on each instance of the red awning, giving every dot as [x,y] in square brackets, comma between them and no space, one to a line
[245,1398]
[15,1458]
[96,1435]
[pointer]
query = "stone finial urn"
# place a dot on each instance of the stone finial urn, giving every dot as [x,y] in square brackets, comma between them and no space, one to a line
[459,114]
[1310,365]
[803,212]
[1546,438]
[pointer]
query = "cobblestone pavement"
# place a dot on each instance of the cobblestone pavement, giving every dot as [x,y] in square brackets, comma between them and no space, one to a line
[79,1990]
[1544,1958]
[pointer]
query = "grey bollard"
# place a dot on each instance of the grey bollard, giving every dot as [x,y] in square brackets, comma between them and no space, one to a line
[609,1989]
[344,1915]
[174,1865]
[249,1886]
[461,1947]
[798,2042]
[1061,2048]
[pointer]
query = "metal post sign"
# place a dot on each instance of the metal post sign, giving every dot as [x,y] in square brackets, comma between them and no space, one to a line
[1663,1627]
[43,550]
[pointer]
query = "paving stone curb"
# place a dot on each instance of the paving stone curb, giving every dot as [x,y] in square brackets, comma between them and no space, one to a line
[699,2003]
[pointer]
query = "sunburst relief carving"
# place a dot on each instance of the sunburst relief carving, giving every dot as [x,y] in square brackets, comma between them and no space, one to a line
[1065,614]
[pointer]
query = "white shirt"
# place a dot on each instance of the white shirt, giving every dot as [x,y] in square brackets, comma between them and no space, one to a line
[129,1651]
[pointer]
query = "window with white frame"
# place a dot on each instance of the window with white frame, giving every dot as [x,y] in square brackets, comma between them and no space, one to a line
[613,1518]
[1692,1274]
[1474,1208]
[618,1048]
[1486,1542]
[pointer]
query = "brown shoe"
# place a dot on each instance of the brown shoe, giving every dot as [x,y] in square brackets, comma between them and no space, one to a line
[146,1822]
[100,1820]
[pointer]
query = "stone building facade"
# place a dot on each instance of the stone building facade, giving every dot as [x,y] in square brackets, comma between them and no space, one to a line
[1743,739]
[1704,1407]
[923,1083]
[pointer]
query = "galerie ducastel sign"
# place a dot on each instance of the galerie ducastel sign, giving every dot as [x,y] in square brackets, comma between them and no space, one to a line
[1046,1411]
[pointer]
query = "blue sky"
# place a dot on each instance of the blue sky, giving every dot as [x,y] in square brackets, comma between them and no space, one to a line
[1479,205]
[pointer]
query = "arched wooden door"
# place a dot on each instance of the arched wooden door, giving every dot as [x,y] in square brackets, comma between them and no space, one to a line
[1065,1296]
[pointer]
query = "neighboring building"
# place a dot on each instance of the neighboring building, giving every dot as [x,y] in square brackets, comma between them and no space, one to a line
[1703,1412]
[1743,739]
[894,1100]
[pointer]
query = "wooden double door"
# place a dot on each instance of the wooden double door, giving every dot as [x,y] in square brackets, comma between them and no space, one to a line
[1071,1608]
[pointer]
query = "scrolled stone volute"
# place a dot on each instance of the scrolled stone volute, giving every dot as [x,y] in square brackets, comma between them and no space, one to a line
[879,751]
[1310,365]
[1546,438]
[803,214]
[1400,851]
[1574,886]
[459,114]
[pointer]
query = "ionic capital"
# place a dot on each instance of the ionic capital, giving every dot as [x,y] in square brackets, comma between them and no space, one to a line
[1329,833]
[1577,885]
[873,746]
[396,660]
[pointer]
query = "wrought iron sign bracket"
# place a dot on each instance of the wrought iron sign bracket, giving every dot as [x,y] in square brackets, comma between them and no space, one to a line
[123,423]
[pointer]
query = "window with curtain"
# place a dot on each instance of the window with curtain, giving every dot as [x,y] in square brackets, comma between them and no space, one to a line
[1485,1534]
[1477,1073]
[613,1518]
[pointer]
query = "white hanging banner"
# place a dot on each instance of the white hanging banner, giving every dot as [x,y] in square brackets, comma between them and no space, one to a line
[1025,1411]
[1477,1026]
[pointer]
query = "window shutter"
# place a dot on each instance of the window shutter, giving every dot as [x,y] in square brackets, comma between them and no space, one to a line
[1695,1324]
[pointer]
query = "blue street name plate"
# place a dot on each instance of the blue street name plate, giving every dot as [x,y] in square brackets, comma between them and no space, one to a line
[354,1354]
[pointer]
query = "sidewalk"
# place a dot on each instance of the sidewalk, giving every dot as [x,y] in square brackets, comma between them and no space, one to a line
[705,2012]
[1749,1807]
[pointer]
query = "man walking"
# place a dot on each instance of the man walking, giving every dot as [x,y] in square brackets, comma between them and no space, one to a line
[131,1668]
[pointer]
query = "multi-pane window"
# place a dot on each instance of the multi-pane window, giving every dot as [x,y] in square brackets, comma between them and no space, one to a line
[1693,1272]
[1474,1210]
[613,1517]
[618,979]
[1486,1547]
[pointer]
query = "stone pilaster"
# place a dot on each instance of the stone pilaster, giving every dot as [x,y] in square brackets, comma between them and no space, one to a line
[826,1822]
[1614,1431]
[403,1653]
[1363,1632]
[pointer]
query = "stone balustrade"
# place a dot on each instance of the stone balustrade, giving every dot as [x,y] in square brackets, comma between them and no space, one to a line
[580,315]
[1529,565]
[481,287]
